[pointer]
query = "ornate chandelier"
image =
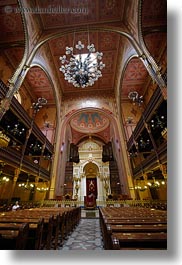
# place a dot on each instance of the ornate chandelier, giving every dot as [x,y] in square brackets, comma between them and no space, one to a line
[27,185]
[82,70]
[136,98]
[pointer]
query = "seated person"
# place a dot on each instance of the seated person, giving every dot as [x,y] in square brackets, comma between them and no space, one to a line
[16,206]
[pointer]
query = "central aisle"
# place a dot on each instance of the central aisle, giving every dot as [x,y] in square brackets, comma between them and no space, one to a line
[86,236]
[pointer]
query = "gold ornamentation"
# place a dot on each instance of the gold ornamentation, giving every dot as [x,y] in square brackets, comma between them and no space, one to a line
[164,133]
[4,140]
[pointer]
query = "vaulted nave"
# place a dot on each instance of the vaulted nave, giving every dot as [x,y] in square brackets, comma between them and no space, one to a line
[83,124]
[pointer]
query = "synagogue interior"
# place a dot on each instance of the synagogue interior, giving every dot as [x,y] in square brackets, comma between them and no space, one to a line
[83,124]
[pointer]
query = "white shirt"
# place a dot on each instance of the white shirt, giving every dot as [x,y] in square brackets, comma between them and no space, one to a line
[15,207]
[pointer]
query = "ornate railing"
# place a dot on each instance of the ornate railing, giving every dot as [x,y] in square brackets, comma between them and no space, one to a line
[152,204]
[156,204]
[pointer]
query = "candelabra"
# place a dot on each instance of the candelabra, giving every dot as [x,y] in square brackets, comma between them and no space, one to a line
[36,106]
[76,180]
[143,143]
[27,185]
[42,189]
[135,97]
[16,130]
[36,148]
[158,122]
[4,179]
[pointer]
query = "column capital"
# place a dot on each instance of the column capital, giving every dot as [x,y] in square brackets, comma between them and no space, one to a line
[163,168]
[145,176]
[15,178]
[17,172]
[36,179]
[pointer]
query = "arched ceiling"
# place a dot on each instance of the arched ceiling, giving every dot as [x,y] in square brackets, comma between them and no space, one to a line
[134,78]
[39,83]
[85,12]
[108,43]
[120,14]
[11,23]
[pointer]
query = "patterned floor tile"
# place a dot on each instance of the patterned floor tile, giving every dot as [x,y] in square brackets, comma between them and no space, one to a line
[87,236]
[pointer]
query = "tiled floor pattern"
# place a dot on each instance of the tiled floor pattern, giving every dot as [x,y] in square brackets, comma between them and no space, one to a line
[86,236]
[89,213]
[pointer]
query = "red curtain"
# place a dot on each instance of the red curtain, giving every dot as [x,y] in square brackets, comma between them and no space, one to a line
[92,186]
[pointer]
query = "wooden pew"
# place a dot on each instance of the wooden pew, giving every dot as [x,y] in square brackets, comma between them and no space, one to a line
[57,224]
[136,228]
[138,221]
[13,236]
[35,229]
[133,221]
[35,235]
[123,241]
[127,229]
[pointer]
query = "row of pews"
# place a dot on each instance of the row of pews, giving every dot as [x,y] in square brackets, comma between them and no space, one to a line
[37,228]
[133,228]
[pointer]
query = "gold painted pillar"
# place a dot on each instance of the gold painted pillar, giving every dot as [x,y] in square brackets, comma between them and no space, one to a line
[35,187]
[47,192]
[132,187]
[137,196]
[163,168]
[145,177]
[52,189]
[16,175]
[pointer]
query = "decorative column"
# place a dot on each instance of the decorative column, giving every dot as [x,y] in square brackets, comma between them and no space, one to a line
[131,155]
[36,107]
[100,188]
[52,191]
[136,189]
[163,168]
[131,186]
[35,188]
[145,177]
[106,185]
[47,193]
[82,187]
[16,172]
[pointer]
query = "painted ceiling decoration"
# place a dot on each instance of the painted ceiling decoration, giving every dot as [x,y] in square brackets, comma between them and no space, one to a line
[134,77]
[89,122]
[39,82]
[115,13]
